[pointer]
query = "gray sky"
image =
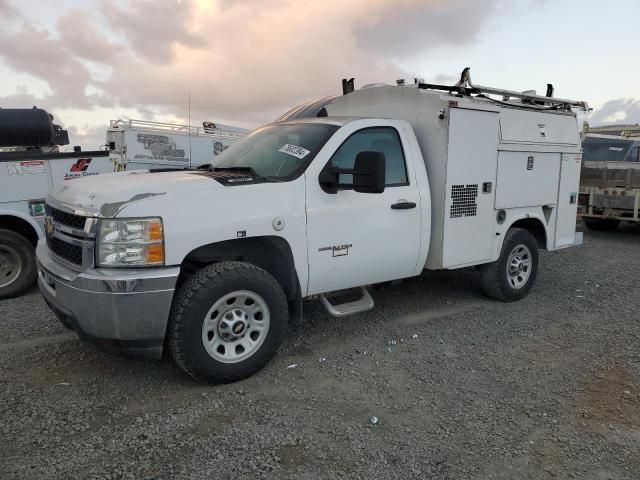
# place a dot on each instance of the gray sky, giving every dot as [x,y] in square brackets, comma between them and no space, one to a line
[247,61]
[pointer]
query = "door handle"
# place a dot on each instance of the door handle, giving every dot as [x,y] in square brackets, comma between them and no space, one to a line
[403,205]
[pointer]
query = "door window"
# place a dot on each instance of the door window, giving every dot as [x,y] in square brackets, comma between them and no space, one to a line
[378,139]
[634,154]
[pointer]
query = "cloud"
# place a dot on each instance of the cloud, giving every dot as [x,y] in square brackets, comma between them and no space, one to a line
[38,53]
[21,99]
[261,58]
[88,136]
[79,37]
[153,28]
[242,61]
[444,79]
[403,32]
[621,110]
[7,10]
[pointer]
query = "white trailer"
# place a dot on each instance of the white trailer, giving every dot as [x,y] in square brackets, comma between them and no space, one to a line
[26,178]
[377,185]
[28,174]
[141,144]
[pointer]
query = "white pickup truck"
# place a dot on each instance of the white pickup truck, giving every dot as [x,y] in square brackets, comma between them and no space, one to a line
[378,185]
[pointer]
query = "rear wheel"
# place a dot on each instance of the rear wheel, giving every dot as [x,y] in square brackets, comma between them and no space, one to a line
[17,264]
[512,276]
[227,322]
[602,224]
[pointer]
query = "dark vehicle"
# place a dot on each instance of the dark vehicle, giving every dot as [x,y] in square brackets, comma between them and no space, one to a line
[610,178]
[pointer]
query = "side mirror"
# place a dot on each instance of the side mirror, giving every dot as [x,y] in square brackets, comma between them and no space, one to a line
[369,172]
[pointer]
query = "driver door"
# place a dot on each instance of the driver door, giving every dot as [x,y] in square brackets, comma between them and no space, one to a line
[356,238]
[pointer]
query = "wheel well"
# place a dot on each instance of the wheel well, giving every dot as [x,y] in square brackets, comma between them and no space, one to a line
[270,253]
[18,225]
[536,228]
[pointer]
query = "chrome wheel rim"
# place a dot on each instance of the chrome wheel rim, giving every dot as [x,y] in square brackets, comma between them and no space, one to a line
[519,266]
[236,326]
[10,265]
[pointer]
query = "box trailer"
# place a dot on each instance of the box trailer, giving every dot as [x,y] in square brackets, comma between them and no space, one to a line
[31,165]
[141,144]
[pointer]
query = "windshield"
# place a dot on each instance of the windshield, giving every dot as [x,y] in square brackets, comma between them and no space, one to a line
[277,152]
[604,149]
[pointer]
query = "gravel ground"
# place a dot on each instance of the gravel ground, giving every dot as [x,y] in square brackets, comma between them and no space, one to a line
[545,388]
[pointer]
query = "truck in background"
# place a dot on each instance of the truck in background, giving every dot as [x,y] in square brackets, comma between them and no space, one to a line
[141,144]
[375,185]
[610,178]
[31,165]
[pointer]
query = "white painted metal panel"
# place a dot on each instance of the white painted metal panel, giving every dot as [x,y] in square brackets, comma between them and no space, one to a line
[422,110]
[82,166]
[471,162]
[521,126]
[23,179]
[527,179]
[357,238]
[568,200]
[156,149]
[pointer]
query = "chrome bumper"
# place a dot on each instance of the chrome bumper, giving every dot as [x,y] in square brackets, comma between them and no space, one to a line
[123,310]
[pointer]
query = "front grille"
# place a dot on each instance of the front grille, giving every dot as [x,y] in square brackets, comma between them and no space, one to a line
[64,218]
[71,253]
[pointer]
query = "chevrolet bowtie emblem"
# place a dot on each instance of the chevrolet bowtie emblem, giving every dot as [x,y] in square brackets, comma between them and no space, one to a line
[48,226]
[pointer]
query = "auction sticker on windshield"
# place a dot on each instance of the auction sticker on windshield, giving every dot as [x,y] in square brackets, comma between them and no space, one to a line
[295,151]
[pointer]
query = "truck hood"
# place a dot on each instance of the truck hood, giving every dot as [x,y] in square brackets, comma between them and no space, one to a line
[106,195]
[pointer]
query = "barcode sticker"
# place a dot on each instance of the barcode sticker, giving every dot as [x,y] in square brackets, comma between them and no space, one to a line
[294,151]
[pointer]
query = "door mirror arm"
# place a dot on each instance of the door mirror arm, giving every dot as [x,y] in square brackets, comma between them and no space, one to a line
[330,179]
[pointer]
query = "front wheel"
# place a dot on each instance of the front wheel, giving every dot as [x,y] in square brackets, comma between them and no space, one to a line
[17,264]
[512,276]
[227,322]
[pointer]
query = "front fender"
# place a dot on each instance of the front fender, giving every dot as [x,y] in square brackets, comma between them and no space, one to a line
[37,227]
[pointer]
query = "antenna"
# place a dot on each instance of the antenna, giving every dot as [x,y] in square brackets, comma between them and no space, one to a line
[189,124]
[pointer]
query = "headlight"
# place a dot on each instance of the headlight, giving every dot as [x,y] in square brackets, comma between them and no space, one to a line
[136,242]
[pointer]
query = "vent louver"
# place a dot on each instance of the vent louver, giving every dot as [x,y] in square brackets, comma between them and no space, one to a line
[464,201]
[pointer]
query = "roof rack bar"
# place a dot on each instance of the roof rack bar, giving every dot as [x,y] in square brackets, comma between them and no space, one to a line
[216,131]
[465,87]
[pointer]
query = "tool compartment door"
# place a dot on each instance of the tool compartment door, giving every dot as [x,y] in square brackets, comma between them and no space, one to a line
[568,200]
[469,221]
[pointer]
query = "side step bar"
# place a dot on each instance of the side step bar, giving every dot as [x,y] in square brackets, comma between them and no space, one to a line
[363,304]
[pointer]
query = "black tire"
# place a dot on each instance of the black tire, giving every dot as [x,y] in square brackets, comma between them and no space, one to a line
[602,224]
[18,257]
[494,277]
[191,305]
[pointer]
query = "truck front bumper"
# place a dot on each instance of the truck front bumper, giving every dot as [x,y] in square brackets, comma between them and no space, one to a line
[120,310]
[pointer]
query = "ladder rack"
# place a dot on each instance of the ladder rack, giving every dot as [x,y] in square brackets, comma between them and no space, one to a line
[529,100]
[215,131]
